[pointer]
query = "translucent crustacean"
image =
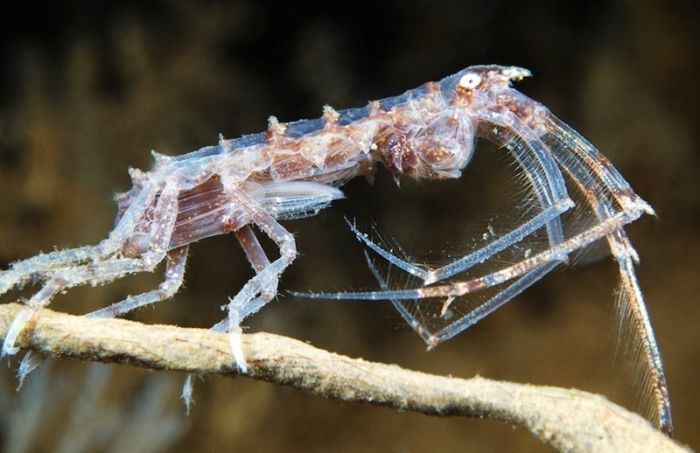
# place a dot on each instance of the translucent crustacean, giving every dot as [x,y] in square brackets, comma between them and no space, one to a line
[293,170]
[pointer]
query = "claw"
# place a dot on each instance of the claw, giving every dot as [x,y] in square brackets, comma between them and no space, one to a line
[236,343]
[234,338]
[8,346]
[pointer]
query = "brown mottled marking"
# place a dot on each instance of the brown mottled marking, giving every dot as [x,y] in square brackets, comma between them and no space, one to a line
[294,165]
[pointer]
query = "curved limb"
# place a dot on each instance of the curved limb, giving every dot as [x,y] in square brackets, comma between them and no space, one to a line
[565,140]
[545,178]
[534,158]
[259,261]
[261,288]
[44,265]
[21,272]
[100,272]
[607,192]
[600,183]
[460,288]
[94,274]
[174,276]
[432,339]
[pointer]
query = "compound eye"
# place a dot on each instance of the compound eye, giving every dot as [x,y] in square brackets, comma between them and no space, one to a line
[470,80]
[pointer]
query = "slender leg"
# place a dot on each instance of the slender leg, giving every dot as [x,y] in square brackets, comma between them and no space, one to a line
[252,248]
[460,288]
[101,271]
[21,272]
[42,265]
[165,213]
[259,261]
[601,183]
[266,279]
[432,339]
[533,157]
[468,261]
[248,299]
[174,276]
[174,273]
[93,274]
[545,178]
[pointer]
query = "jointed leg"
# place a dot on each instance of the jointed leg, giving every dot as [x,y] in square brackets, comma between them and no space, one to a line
[161,229]
[258,260]
[455,328]
[545,178]
[600,183]
[44,265]
[21,272]
[563,140]
[100,271]
[460,288]
[93,274]
[250,299]
[472,259]
[534,158]
[261,288]
[174,273]
[174,276]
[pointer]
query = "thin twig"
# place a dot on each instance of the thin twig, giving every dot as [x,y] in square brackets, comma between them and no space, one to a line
[569,420]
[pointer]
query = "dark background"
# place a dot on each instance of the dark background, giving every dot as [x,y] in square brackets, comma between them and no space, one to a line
[87,89]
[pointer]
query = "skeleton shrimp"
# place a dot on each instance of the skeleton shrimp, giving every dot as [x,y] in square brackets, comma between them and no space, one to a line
[293,170]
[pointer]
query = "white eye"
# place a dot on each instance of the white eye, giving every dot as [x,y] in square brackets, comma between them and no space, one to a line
[470,80]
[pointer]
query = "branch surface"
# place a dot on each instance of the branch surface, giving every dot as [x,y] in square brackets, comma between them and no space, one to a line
[567,419]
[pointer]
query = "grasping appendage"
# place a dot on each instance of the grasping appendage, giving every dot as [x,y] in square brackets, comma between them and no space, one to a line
[293,170]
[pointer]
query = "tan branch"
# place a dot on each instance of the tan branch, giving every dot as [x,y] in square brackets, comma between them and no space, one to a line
[569,420]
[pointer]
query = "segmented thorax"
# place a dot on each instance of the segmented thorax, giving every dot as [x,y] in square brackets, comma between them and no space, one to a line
[432,135]
[426,132]
[434,143]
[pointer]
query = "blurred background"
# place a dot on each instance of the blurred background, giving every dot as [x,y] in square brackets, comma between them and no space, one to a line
[87,89]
